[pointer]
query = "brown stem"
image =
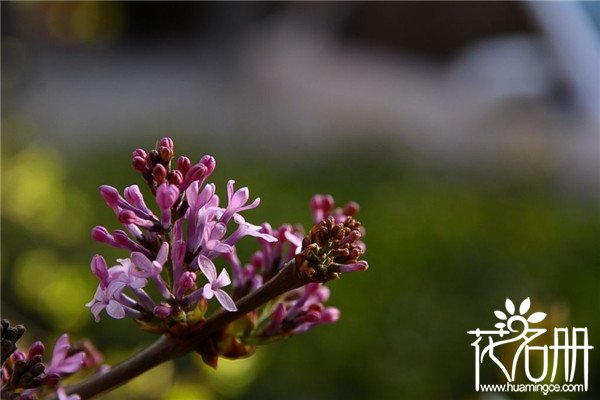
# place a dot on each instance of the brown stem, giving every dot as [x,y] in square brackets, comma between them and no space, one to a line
[162,350]
[287,279]
[165,348]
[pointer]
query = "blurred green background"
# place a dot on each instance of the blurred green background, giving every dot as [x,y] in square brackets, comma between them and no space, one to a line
[450,235]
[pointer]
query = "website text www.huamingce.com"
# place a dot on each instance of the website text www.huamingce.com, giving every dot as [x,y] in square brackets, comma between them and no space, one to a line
[532,387]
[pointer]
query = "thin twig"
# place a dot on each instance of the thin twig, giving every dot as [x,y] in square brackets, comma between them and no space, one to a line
[162,350]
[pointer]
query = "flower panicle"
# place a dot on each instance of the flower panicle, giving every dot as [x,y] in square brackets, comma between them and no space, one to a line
[172,248]
[178,242]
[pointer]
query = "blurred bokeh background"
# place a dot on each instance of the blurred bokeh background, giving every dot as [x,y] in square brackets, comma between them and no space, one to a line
[468,132]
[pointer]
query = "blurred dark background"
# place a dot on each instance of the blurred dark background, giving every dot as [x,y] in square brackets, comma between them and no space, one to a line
[468,132]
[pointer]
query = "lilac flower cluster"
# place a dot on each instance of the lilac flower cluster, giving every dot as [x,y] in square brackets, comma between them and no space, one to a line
[26,377]
[172,254]
[170,274]
[188,234]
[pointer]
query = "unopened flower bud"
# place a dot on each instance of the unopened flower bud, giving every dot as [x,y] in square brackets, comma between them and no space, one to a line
[100,234]
[166,142]
[19,356]
[139,161]
[121,238]
[129,217]
[356,267]
[311,315]
[27,372]
[51,380]
[139,164]
[134,196]
[138,153]
[37,348]
[100,268]
[321,205]
[166,154]
[175,177]
[37,369]
[330,315]
[186,282]
[209,162]
[153,158]
[256,260]
[159,172]
[110,195]
[10,335]
[162,310]
[183,165]
[351,209]
[276,320]
[196,172]
[166,195]
[20,365]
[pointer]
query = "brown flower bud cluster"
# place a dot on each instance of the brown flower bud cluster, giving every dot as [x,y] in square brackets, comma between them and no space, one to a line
[329,249]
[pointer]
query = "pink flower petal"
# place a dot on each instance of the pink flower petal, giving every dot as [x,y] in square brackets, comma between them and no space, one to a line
[60,348]
[115,288]
[96,309]
[207,267]
[62,395]
[225,300]
[115,309]
[223,279]
[330,315]
[230,189]
[110,195]
[205,195]
[355,267]
[264,236]
[295,240]
[207,291]
[191,194]
[166,195]
[143,264]
[178,253]
[163,253]
[218,231]
[239,199]
[70,364]
[252,205]
[138,283]
[100,268]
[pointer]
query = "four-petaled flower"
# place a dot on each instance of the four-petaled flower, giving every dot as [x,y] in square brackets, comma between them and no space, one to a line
[215,283]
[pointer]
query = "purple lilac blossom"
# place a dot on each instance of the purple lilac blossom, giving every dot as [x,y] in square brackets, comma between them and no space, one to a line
[178,249]
[215,283]
[62,363]
[168,249]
